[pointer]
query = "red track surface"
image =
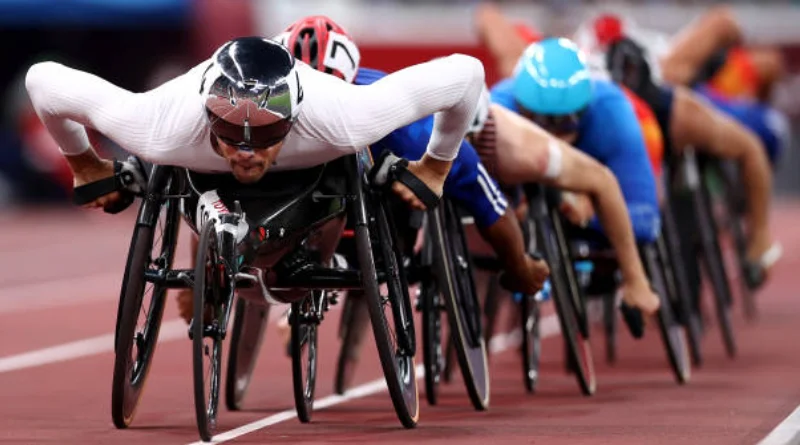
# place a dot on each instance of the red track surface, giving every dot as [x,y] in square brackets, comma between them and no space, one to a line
[59,282]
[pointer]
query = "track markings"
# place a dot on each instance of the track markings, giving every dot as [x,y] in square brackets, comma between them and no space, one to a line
[787,432]
[498,343]
[170,330]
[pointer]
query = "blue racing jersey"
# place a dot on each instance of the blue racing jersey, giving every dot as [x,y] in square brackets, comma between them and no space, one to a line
[770,125]
[467,184]
[609,132]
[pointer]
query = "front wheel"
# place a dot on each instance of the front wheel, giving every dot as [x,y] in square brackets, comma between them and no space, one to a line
[206,330]
[304,322]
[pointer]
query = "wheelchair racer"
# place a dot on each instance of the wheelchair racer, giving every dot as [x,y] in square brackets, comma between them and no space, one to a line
[743,132]
[544,158]
[248,109]
[317,41]
[686,118]
[553,88]
[705,55]
[320,43]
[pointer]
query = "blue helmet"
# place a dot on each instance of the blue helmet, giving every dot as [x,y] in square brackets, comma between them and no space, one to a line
[551,78]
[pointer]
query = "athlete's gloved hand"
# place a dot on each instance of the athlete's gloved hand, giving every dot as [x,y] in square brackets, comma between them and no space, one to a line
[95,172]
[528,278]
[639,294]
[432,172]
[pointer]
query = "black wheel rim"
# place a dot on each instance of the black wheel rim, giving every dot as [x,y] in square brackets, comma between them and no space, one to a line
[209,313]
[152,250]
[531,341]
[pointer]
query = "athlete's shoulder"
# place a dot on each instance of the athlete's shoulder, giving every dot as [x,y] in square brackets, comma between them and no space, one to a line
[502,93]
[367,76]
[605,91]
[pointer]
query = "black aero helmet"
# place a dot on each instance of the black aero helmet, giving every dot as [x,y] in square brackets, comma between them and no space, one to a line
[251,92]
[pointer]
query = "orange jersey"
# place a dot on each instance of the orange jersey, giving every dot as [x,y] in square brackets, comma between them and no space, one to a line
[737,78]
[653,138]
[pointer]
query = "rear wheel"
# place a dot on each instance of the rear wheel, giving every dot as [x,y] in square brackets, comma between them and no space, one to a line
[715,266]
[672,332]
[141,305]
[352,328]
[577,349]
[457,285]
[432,352]
[391,315]
[683,309]
[249,324]
[531,341]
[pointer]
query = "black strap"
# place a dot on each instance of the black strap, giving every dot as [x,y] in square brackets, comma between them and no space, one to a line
[87,193]
[398,171]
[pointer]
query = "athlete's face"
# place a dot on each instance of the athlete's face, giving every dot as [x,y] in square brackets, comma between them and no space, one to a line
[564,127]
[249,166]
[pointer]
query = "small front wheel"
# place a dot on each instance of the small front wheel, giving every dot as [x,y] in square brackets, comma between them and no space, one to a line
[206,329]
[304,321]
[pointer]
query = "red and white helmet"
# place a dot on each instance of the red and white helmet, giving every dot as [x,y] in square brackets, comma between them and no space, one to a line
[596,34]
[324,45]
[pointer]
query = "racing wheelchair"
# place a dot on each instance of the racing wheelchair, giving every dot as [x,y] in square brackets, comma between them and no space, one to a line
[690,198]
[270,243]
[442,270]
[545,237]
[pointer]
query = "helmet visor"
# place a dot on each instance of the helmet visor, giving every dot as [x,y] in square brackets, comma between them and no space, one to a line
[246,136]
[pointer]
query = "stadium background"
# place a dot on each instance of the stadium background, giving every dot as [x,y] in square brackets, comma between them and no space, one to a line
[138,44]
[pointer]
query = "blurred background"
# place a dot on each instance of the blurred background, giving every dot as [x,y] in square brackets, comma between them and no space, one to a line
[139,44]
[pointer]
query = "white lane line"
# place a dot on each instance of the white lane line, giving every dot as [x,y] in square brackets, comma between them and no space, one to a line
[170,330]
[498,343]
[787,432]
[175,329]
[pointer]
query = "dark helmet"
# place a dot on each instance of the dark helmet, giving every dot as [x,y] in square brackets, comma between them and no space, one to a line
[251,92]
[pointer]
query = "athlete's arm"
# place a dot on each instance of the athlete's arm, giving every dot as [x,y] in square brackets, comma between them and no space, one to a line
[530,154]
[69,101]
[448,87]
